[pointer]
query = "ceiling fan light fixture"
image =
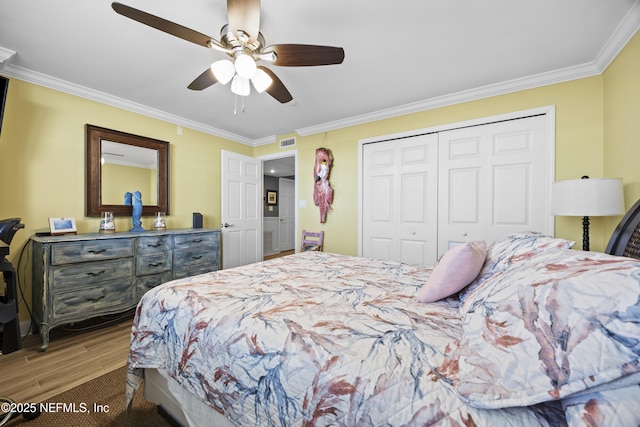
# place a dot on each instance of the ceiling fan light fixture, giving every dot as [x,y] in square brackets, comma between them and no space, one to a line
[240,86]
[261,80]
[223,70]
[267,56]
[245,66]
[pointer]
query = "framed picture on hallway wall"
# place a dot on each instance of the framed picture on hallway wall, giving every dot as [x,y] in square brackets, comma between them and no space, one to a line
[272,197]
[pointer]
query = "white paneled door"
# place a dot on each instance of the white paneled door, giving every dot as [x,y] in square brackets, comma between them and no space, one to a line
[287,213]
[399,206]
[423,194]
[240,202]
[494,181]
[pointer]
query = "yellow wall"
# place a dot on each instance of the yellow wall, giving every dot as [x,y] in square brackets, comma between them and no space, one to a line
[118,179]
[622,121]
[42,162]
[42,153]
[597,134]
[579,129]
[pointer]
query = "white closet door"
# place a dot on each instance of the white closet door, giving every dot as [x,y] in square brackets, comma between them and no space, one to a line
[493,180]
[399,204]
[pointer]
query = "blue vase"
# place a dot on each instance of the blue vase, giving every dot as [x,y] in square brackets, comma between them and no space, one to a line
[135,199]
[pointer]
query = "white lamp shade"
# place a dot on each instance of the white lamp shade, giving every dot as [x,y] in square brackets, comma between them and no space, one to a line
[245,66]
[240,86]
[587,197]
[261,80]
[223,70]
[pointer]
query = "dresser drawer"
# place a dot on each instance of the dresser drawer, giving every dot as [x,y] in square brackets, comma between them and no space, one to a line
[186,260]
[153,245]
[193,270]
[91,250]
[66,278]
[77,277]
[153,264]
[144,283]
[94,299]
[196,240]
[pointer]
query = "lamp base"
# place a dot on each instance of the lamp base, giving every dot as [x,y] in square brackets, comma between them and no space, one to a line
[585,233]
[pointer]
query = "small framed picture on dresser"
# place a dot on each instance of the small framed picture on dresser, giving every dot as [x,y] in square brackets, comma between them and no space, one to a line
[62,226]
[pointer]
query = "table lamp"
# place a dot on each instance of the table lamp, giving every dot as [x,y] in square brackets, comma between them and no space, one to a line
[587,197]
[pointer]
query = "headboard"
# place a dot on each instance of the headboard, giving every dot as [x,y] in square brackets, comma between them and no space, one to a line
[625,240]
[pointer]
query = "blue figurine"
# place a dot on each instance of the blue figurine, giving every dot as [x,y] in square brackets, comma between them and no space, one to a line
[136,201]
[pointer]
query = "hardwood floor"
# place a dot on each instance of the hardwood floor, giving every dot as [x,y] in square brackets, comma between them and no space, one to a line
[76,354]
[278,255]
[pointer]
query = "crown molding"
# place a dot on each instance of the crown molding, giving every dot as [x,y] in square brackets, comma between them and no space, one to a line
[114,101]
[6,55]
[264,141]
[627,28]
[621,36]
[516,85]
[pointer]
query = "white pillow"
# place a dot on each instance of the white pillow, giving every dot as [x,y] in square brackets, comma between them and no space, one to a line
[555,325]
[455,270]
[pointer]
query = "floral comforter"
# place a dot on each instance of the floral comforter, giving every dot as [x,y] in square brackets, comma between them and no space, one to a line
[313,339]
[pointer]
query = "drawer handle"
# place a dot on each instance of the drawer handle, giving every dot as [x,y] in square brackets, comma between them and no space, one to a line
[92,274]
[196,241]
[97,252]
[196,257]
[155,264]
[157,245]
[95,299]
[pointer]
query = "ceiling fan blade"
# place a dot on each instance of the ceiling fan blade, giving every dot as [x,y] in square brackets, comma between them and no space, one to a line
[303,55]
[204,80]
[244,15]
[167,26]
[277,88]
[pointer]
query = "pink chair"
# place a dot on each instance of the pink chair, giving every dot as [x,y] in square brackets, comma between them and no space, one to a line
[312,241]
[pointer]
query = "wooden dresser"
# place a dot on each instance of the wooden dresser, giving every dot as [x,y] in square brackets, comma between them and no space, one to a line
[77,277]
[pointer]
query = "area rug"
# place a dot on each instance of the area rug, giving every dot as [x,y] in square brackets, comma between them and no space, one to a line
[99,402]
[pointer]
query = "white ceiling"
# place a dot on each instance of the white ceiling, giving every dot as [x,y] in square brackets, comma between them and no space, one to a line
[400,56]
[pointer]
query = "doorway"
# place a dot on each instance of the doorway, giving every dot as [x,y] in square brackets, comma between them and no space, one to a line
[279,221]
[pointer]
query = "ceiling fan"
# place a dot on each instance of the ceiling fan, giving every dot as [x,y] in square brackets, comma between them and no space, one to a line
[243,42]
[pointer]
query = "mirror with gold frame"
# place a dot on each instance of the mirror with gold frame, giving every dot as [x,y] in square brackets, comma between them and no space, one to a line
[119,162]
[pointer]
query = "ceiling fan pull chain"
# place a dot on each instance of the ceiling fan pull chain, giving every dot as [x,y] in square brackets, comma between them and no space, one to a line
[235,104]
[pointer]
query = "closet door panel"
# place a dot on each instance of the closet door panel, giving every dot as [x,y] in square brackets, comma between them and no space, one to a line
[377,210]
[493,181]
[380,207]
[462,197]
[511,195]
[519,178]
[400,200]
[379,248]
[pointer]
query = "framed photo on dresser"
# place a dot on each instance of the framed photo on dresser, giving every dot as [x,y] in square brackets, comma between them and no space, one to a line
[62,226]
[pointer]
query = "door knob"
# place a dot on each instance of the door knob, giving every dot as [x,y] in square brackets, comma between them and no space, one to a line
[226,225]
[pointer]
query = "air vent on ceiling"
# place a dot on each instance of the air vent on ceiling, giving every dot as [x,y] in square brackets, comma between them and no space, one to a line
[289,142]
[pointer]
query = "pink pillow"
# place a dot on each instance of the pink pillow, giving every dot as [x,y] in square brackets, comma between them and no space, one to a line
[455,270]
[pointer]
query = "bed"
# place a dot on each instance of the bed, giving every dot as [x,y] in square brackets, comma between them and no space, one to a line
[541,336]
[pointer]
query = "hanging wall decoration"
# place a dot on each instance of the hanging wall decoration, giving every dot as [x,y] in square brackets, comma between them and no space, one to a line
[322,191]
